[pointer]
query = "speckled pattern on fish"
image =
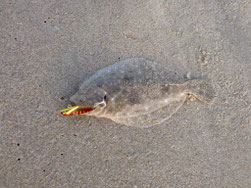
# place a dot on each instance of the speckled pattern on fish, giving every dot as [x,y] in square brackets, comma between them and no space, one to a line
[138,92]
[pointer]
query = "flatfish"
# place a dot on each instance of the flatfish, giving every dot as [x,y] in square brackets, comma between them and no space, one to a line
[139,93]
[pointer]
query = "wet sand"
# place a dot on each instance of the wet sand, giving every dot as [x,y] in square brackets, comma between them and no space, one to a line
[48,48]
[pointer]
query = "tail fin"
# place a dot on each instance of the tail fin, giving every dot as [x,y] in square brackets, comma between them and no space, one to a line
[201,89]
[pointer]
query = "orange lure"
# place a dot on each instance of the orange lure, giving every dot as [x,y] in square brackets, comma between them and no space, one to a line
[75,110]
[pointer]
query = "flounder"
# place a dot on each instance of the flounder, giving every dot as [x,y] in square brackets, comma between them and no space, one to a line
[138,93]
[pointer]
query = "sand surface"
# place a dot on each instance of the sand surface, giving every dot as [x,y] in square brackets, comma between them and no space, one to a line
[47,48]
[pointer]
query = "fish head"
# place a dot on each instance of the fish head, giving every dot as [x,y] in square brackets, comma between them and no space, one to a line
[91,97]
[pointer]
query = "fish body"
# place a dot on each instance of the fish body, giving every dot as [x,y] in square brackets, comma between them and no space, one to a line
[138,92]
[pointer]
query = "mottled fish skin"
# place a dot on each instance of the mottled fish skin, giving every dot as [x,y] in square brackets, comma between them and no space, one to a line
[136,91]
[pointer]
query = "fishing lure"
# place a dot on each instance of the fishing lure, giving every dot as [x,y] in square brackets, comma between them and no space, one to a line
[75,110]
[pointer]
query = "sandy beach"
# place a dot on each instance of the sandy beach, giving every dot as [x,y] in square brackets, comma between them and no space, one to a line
[48,48]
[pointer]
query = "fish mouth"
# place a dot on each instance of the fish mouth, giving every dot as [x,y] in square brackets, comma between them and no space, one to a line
[76,110]
[73,109]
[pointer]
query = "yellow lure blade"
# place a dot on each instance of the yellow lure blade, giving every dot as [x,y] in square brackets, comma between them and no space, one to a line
[69,111]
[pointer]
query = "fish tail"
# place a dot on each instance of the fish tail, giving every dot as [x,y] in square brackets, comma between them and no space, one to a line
[201,89]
